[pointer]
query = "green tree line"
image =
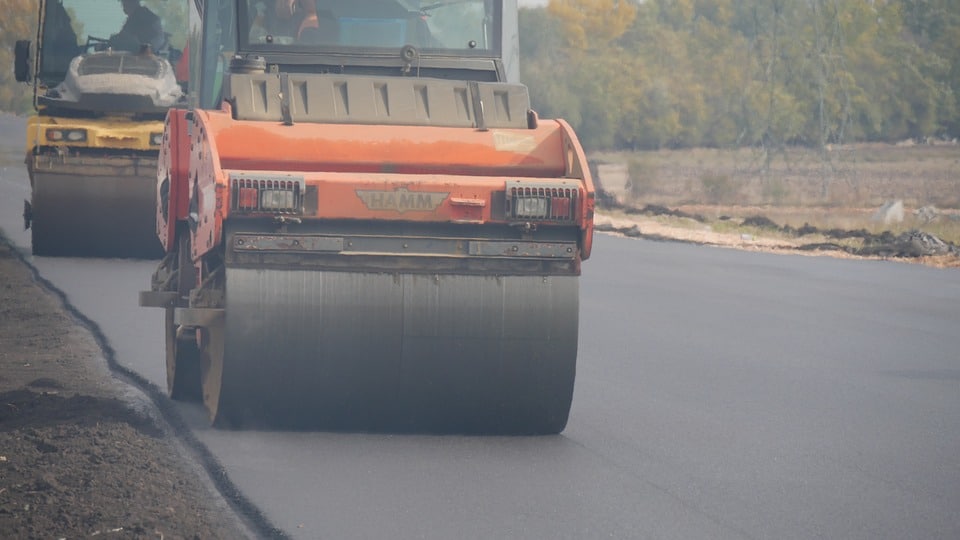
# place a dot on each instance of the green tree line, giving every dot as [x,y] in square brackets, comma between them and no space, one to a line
[649,74]
[18,21]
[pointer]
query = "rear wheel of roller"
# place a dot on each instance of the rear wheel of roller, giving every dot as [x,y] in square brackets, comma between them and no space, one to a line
[183,354]
[211,371]
[183,363]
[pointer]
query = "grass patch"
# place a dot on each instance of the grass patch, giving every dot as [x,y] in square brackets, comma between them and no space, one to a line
[718,188]
[855,176]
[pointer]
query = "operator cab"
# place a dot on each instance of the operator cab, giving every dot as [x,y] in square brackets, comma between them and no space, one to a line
[91,59]
[462,26]
[463,40]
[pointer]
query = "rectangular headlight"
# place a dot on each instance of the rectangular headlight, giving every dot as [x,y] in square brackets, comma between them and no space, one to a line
[68,135]
[531,206]
[534,200]
[276,199]
[273,194]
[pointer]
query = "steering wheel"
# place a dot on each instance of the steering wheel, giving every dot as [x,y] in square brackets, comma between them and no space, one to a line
[96,44]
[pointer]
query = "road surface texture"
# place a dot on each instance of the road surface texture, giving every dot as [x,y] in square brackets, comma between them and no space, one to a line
[720,394]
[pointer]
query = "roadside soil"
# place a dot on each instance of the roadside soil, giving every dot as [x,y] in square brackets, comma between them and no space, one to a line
[870,200]
[758,233]
[82,454]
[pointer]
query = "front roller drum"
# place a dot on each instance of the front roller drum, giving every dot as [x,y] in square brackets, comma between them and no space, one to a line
[399,353]
[93,207]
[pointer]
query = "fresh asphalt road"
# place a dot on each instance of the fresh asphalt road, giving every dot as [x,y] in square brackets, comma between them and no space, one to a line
[720,394]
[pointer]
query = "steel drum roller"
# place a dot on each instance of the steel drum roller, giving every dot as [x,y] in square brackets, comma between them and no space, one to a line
[90,207]
[403,352]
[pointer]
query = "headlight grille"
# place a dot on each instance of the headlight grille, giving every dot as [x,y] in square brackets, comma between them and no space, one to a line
[538,201]
[270,195]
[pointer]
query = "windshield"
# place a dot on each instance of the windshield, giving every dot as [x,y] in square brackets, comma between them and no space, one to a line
[74,27]
[461,27]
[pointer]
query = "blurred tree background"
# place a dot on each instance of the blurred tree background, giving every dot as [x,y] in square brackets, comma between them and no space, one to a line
[644,75]
[650,74]
[17,22]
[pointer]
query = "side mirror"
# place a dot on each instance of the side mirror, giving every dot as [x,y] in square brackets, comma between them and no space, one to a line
[21,62]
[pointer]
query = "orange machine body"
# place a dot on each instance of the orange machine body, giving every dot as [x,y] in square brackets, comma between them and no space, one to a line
[370,232]
[367,172]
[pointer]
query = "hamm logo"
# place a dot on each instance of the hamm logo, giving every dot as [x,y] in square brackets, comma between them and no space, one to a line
[402,200]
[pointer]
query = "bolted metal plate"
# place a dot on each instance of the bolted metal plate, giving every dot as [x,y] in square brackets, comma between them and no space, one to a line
[192,317]
[158,299]
[565,250]
[287,243]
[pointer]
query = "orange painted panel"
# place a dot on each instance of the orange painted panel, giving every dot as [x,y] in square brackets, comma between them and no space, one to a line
[400,149]
[410,173]
[431,197]
[172,169]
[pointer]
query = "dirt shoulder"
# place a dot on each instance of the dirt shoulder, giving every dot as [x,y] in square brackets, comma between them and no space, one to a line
[78,456]
[758,234]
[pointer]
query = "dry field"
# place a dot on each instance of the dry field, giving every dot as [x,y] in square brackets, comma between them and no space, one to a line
[842,188]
